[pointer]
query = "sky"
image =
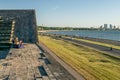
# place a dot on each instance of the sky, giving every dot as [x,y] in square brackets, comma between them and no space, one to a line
[70,13]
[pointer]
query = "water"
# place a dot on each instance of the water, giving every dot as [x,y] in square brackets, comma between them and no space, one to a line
[106,34]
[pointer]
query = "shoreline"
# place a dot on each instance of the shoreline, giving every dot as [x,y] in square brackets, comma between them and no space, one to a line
[113,42]
[102,45]
[43,31]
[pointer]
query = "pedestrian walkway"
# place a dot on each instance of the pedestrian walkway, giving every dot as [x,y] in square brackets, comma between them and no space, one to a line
[22,64]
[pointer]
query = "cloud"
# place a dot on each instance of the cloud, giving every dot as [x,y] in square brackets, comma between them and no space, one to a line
[55,8]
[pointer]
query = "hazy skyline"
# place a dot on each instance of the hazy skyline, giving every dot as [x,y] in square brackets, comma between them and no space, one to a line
[73,13]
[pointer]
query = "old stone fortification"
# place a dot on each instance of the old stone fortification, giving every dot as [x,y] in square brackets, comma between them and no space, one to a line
[25,24]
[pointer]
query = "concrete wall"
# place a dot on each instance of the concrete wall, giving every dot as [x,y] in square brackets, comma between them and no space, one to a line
[25,26]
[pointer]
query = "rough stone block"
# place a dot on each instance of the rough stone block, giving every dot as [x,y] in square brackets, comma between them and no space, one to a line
[25,24]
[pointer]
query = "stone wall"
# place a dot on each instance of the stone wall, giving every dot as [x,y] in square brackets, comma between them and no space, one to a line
[25,26]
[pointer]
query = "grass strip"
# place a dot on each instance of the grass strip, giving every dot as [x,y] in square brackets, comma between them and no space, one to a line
[98,43]
[93,65]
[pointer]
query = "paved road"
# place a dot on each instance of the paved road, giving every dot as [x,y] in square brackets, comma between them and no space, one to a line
[115,52]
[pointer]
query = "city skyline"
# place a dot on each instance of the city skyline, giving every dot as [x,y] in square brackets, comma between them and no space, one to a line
[70,13]
[109,26]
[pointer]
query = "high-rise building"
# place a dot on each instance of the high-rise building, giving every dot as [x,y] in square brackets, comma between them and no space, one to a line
[101,27]
[111,27]
[114,27]
[105,26]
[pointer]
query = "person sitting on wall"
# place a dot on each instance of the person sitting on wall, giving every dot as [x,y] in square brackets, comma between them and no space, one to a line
[16,42]
[21,44]
[13,42]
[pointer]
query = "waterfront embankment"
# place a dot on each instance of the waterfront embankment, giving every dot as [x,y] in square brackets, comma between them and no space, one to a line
[88,62]
[111,47]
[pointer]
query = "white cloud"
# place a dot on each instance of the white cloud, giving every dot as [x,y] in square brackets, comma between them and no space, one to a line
[55,8]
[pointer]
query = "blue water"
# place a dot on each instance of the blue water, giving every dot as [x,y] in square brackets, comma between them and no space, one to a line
[106,34]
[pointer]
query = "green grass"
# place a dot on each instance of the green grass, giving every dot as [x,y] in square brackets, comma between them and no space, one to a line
[91,64]
[98,43]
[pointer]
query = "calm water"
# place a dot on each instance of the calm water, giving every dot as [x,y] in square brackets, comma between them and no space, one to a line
[107,34]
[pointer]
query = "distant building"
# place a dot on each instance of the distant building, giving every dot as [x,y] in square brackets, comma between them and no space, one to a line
[108,27]
[101,27]
[111,27]
[105,26]
[114,27]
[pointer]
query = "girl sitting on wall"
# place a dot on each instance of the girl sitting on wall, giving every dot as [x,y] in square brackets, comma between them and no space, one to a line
[17,43]
[21,44]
